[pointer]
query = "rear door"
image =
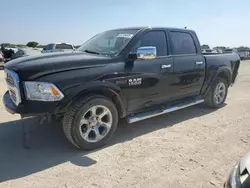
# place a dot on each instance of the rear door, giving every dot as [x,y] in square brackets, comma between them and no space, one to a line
[155,74]
[189,64]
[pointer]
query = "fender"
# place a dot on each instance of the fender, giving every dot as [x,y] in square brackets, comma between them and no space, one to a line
[75,91]
[227,70]
[224,70]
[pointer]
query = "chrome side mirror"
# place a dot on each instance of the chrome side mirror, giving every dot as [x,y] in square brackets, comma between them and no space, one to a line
[147,52]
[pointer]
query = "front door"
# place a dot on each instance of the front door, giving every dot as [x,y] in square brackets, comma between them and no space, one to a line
[150,79]
[48,48]
[189,65]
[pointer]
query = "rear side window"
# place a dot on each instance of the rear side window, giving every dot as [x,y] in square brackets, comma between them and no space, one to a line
[156,39]
[182,43]
[64,46]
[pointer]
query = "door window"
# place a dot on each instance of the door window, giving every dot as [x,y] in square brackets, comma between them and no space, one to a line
[156,39]
[182,43]
[50,47]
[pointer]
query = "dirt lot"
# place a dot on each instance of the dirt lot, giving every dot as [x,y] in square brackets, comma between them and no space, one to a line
[194,147]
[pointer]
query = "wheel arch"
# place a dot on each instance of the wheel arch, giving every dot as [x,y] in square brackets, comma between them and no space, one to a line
[223,72]
[110,94]
[109,90]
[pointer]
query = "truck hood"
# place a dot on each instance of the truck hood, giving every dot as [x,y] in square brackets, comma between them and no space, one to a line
[32,67]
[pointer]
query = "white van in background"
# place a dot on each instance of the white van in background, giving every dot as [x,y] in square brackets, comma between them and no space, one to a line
[58,47]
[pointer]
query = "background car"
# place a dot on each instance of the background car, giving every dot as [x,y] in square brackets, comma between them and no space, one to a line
[58,47]
[22,52]
[12,48]
[1,60]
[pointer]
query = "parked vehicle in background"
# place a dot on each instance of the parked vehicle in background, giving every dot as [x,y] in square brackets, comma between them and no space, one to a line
[58,47]
[7,52]
[2,59]
[23,52]
[12,48]
[244,54]
[240,174]
[209,51]
[228,51]
[131,73]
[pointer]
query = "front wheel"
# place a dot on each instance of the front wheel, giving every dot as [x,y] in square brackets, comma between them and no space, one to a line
[90,122]
[218,93]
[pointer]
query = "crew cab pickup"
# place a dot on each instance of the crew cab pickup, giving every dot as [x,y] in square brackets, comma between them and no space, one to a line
[58,47]
[131,73]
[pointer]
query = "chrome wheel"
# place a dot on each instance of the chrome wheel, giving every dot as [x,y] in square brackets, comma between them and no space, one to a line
[220,93]
[95,123]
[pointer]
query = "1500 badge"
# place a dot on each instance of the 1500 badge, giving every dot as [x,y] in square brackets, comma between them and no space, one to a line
[134,81]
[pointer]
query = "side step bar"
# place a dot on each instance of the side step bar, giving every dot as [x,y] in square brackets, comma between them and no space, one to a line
[153,113]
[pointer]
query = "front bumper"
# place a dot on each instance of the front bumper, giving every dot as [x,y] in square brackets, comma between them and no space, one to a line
[29,108]
[8,103]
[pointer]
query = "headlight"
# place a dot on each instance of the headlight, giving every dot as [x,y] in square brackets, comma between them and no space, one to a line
[42,91]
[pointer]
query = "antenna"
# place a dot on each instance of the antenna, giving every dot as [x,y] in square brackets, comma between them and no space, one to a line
[185,27]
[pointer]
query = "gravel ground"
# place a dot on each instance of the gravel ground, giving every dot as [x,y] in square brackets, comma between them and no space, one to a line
[194,147]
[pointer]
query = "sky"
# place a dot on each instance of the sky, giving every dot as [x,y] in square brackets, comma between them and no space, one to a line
[216,22]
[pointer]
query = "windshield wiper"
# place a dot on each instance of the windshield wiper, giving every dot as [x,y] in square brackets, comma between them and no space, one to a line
[91,52]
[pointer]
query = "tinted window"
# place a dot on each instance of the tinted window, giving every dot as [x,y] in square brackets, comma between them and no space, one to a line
[49,47]
[156,39]
[182,43]
[63,46]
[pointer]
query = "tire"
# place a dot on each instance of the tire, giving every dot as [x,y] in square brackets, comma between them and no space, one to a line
[210,99]
[79,123]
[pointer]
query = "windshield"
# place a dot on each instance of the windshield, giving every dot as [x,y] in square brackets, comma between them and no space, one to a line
[109,42]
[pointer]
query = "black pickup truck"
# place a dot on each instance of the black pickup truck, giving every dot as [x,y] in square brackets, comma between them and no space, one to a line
[131,73]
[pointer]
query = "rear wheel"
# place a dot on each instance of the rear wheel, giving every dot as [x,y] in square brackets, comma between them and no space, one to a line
[218,93]
[90,122]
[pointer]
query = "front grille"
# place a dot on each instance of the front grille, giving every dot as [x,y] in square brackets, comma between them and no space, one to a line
[12,80]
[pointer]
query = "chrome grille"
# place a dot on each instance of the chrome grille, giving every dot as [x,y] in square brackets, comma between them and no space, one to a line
[12,80]
[13,94]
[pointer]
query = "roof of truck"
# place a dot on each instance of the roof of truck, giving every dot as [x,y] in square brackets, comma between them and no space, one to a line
[155,27]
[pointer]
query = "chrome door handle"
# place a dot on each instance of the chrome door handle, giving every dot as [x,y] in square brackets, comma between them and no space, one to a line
[199,63]
[166,66]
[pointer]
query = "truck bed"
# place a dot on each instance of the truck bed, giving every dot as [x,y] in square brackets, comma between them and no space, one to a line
[231,59]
